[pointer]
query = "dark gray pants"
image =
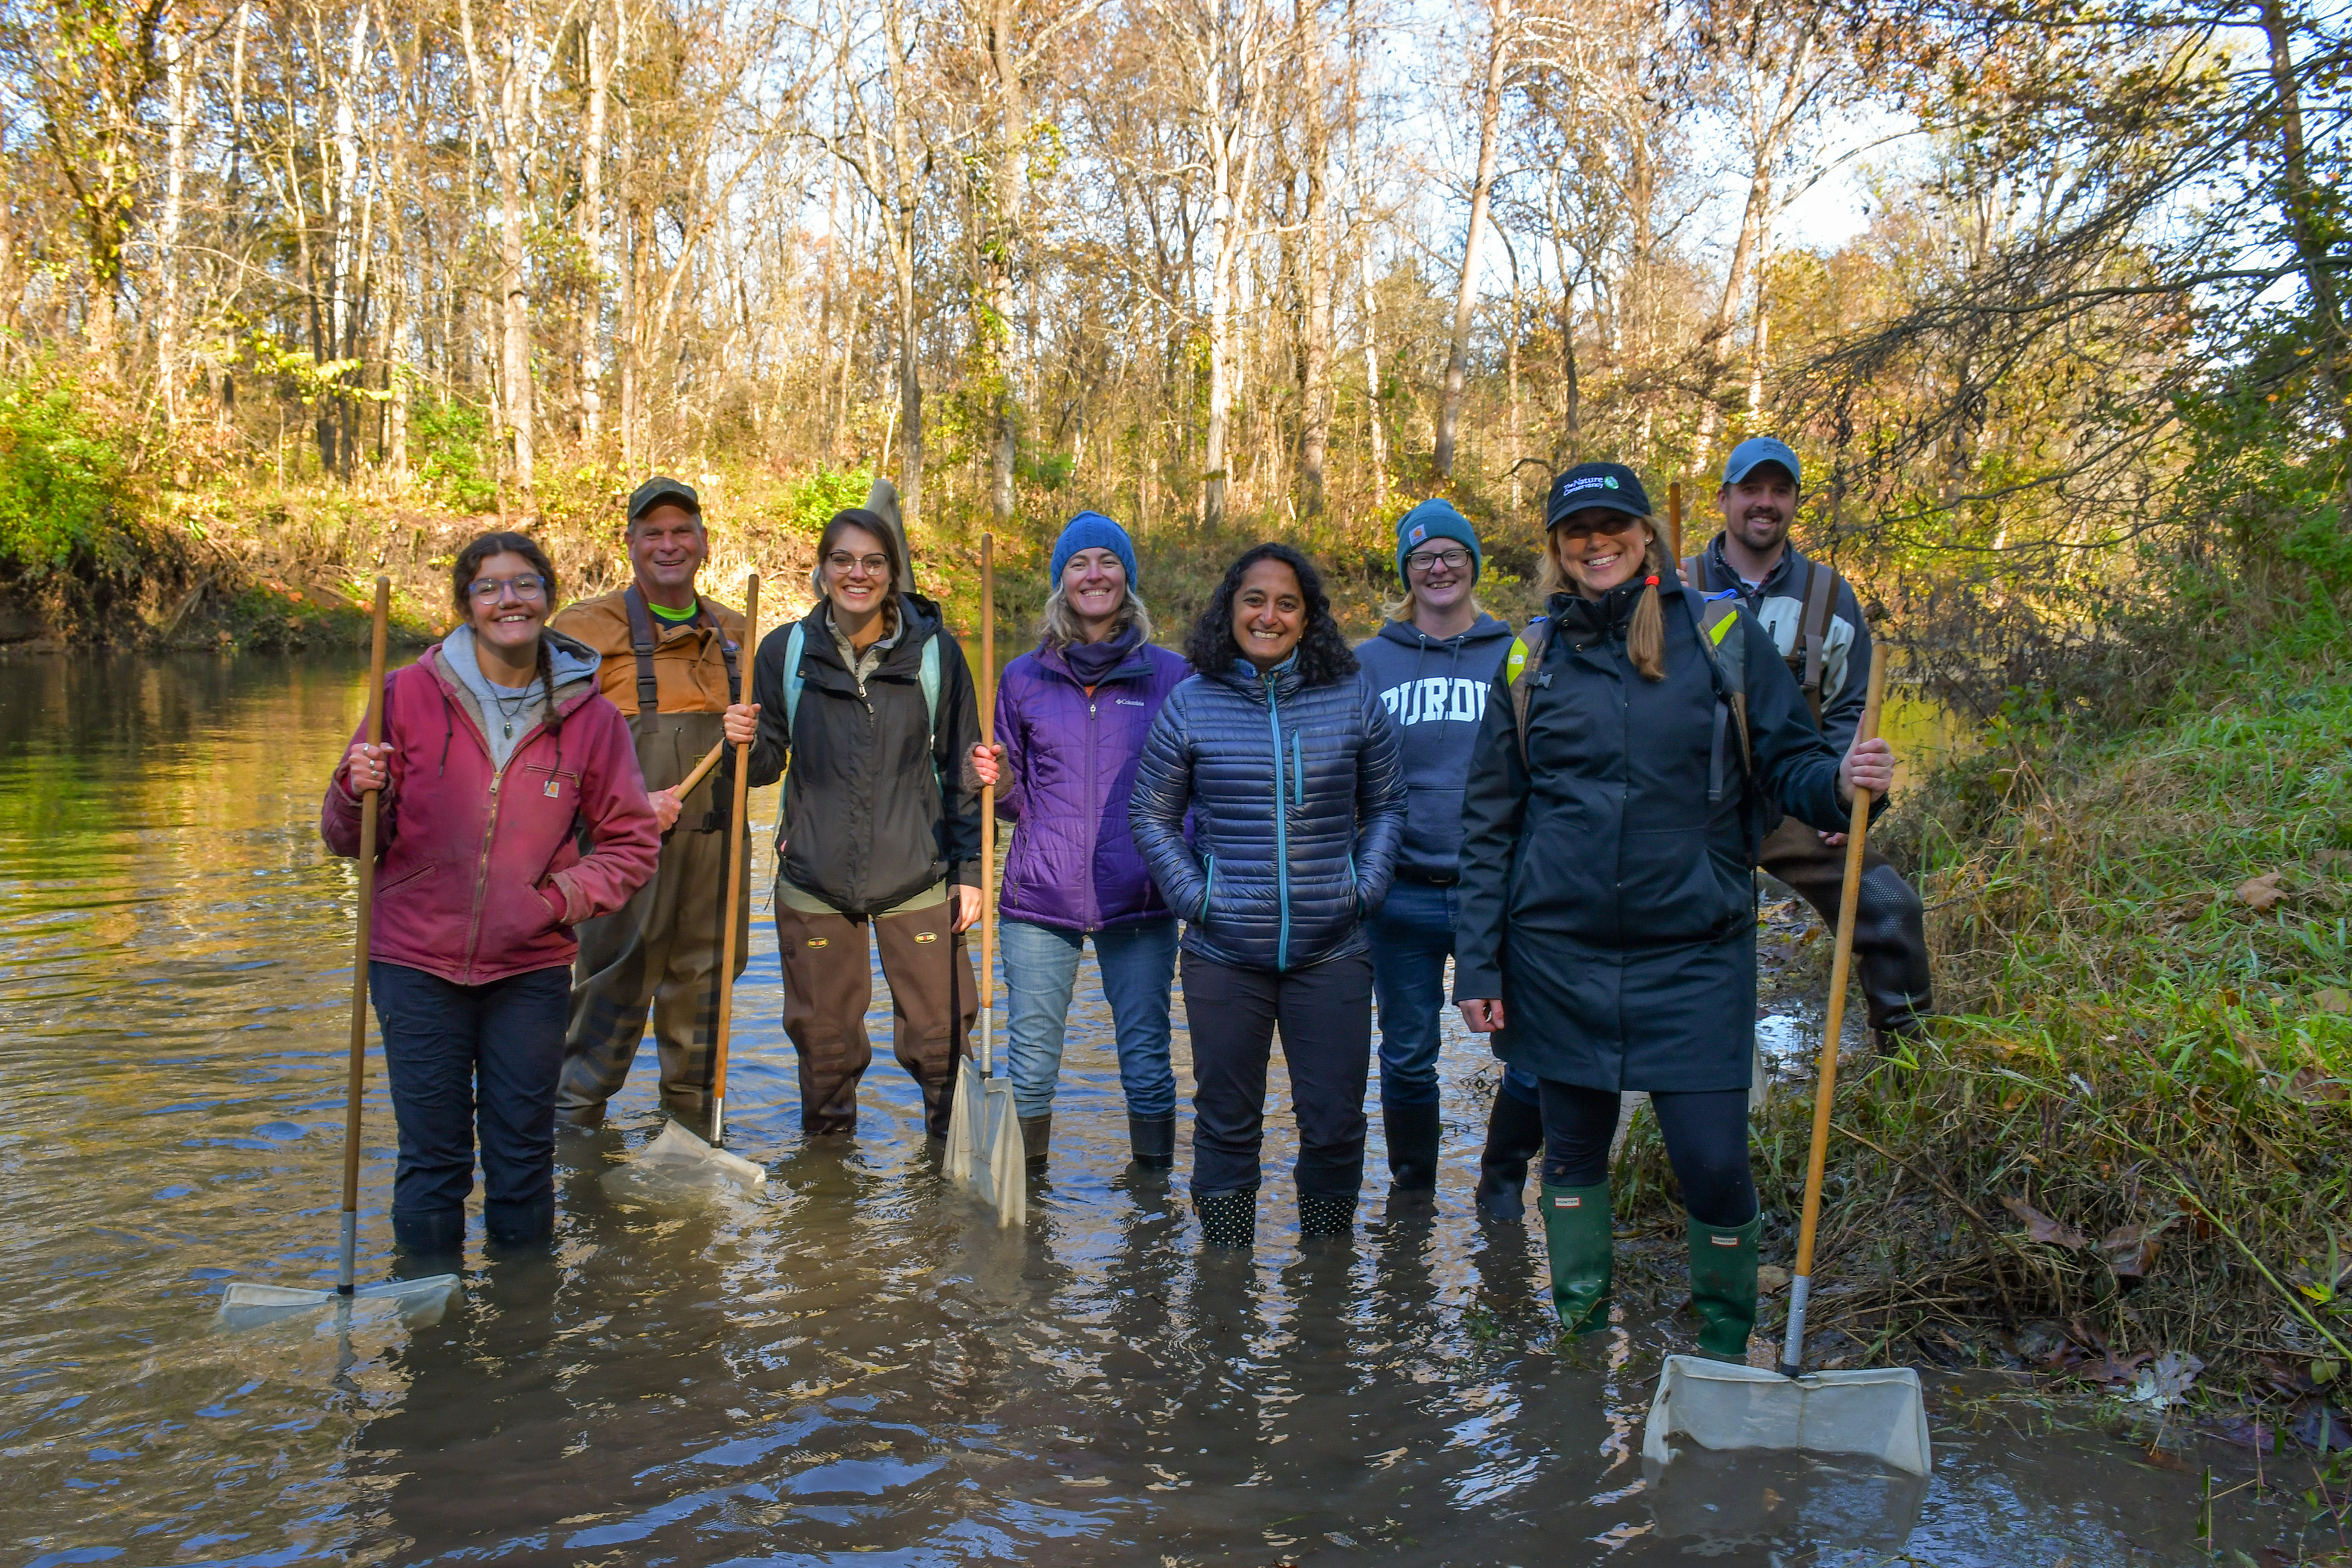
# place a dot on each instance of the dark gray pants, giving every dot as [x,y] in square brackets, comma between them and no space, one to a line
[1326,1017]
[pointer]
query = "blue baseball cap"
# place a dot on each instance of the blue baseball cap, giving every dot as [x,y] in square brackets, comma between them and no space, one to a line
[1759,449]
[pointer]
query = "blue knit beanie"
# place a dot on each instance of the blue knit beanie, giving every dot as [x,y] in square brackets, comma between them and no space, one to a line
[1436,520]
[1091,531]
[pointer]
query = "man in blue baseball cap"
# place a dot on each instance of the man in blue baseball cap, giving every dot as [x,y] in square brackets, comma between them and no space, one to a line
[1817,623]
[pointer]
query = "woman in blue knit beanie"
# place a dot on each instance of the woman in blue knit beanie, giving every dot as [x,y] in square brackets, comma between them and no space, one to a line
[1070,722]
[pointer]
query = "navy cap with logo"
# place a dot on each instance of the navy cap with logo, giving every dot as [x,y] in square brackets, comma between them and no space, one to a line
[1753,453]
[663,490]
[1611,485]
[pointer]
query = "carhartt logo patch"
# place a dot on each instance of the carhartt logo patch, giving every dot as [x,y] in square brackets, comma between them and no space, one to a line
[817,941]
[1420,531]
[553,790]
[926,936]
[1725,1240]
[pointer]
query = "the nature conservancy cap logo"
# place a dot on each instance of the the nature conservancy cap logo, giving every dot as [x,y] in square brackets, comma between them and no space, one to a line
[1589,482]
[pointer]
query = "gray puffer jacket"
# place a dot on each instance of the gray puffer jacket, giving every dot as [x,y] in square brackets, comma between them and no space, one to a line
[1298,800]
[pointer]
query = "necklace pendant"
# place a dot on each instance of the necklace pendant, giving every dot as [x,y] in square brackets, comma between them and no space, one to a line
[508,729]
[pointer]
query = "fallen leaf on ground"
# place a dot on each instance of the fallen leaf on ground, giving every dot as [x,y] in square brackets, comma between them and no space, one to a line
[2163,1460]
[2245,1432]
[1771,1279]
[2332,999]
[2131,1249]
[2167,1382]
[2323,1429]
[2042,1227]
[2315,1087]
[2113,1368]
[2263,893]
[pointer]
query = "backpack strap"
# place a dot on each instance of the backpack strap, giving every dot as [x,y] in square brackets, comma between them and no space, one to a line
[931,677]
[1523,671]
[1716,616]
[795,646]
[732,653]
[1813,631]
[641,643]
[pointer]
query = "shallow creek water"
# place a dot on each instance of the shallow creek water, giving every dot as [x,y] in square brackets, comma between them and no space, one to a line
[853,1364]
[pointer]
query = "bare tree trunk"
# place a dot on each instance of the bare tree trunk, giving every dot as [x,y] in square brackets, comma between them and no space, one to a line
[1315,420]
[180,72]
[1009,180]
[514,297]
[592,225]
[344,248]
[1230,79]
[2310,241]
[1571,401]
[1457,359]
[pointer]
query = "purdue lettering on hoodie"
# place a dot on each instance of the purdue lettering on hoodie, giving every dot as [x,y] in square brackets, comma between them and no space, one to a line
[1435,690]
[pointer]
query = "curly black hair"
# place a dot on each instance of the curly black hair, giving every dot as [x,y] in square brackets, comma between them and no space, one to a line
[1324,656]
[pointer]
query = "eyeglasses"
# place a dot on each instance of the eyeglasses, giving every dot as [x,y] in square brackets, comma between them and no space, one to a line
[1427,561]
[490,590]
[843,563]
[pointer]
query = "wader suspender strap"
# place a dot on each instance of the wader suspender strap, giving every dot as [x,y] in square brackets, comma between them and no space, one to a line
[1813,632]
[641,643]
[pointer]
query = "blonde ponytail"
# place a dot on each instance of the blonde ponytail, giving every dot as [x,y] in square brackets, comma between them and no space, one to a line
[1646,638]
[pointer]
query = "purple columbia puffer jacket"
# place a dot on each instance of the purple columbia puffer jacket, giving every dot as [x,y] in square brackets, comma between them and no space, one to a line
[1069,769]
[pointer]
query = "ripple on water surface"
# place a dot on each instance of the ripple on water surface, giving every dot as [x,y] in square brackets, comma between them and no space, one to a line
[852,1361]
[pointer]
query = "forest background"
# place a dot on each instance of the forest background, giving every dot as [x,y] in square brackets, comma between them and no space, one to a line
[295,291]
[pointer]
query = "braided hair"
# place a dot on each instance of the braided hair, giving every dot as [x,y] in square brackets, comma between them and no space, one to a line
[469,565]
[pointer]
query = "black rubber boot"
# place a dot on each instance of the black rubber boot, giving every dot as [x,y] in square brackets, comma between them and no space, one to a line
[429,1233]
[1321,1216]
[519,1224]
[585,1117]
[1413,1133]
[1228,1220]
[1514,1137]
[1036,1135]
[1153,1140]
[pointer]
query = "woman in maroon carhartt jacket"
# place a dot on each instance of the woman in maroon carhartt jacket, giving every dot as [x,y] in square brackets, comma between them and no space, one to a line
[498,751]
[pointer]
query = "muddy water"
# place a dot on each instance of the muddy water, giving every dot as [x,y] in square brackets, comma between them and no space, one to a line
[854,1364]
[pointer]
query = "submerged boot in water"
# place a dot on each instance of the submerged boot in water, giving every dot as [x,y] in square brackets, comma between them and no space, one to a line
[1579,1233]
[1153,1141]
[1723,1286]
[1228,1219]
[429,1233]
[1514,1137]
[1413,1131]
[1037,1134]
[1322,1215]
[520,1223]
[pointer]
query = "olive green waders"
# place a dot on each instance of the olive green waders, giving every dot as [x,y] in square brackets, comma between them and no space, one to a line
[659,951]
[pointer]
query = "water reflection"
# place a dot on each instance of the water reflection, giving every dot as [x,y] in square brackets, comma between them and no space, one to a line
[850,1361]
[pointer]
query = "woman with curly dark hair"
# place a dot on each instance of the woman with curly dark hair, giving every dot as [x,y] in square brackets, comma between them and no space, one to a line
[1281,753]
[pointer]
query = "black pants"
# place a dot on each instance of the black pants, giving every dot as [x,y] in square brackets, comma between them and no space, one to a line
[1705,1134]
[462,1056]
[1326,1016]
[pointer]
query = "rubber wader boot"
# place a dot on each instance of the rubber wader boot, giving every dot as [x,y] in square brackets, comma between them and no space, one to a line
[1580,1232]
[429,1233]
[1153,1141]
[1514,1137]
[580,1117]
[1723,1286]
[519,1224]
[1036,1134]
[1322,1215]
[1228,1219]
[1413,1133]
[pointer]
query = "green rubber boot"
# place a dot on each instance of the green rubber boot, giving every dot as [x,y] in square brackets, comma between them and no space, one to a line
[1723,1287]
[1579,1232]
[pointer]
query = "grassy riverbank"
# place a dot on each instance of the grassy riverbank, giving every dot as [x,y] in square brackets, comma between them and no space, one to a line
[2131,1139]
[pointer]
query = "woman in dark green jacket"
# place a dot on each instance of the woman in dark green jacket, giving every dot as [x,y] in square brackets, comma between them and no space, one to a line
[1608,931]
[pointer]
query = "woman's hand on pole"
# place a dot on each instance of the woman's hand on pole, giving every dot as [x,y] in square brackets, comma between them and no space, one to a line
[667,805]
[967,905]
[988,763]
[1870,766]
[1482,1016]
[742,723]
[367,767]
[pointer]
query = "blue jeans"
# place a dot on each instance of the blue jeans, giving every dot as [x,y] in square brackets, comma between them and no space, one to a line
[1412,936]
[460,1058]
[1041,970]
